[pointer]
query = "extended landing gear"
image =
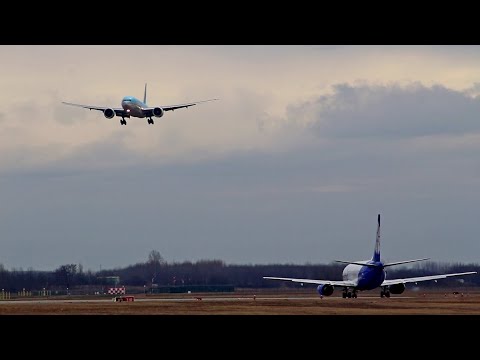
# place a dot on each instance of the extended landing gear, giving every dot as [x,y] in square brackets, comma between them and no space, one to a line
[150,121]
[349,294]
[123,122]
[385,292]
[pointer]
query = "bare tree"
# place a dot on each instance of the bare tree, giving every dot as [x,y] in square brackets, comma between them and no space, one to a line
[65,274]
[155,260]
[155,257]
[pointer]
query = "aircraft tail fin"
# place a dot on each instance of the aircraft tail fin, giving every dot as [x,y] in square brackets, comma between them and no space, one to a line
[145,94]
[376,253]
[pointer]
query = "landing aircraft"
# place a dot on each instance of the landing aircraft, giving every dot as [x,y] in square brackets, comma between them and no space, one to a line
[368,275]
[132,107]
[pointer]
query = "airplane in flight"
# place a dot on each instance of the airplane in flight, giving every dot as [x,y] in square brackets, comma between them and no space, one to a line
[368,275]
[132,107]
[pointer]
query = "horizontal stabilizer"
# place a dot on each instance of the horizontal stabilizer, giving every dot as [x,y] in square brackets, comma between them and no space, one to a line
[404,262]
[357,263]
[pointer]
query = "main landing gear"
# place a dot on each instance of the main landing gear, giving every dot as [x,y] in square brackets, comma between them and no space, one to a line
[123,121]
[385,292]
[349,294]
[150,121]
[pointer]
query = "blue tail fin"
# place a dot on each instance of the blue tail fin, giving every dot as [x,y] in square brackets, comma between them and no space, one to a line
[145,95]
[376,253]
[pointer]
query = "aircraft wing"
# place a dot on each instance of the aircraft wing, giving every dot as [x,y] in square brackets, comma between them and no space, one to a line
[178,106]
[118,111]
[311,281]
[423,278]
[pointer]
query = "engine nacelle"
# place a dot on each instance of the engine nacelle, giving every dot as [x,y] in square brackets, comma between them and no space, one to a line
[397,288]
[109,113]
[325,290]
[158,112]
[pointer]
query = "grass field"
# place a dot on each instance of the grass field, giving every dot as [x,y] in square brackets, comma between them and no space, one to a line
[255,302]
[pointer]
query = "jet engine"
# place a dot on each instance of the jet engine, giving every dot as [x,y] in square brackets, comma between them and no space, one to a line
[397,288]
[158,112]
[325,289]
[109,113]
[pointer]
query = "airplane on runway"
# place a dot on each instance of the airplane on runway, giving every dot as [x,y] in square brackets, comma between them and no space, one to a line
[132,107]
[368,275]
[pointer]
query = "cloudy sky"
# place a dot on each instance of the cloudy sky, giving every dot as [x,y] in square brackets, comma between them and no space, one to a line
[305,147]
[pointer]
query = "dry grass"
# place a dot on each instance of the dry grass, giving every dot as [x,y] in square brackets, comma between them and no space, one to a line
[287,302]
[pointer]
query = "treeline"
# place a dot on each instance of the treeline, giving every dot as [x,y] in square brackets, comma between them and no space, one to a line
[155,271]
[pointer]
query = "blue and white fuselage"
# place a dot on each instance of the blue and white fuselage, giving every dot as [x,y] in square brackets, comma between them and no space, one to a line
[134,107]
[365,277]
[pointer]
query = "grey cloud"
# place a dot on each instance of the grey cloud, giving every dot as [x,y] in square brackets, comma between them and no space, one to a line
[108,152]
[474,90]
[69,115]
[390,111]
[327,47]
[238,209]
[41,160]
[284,195]
[28,111]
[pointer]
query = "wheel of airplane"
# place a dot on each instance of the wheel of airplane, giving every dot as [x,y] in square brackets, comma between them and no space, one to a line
[344,295]
[387,294]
